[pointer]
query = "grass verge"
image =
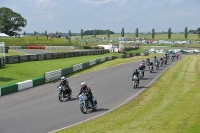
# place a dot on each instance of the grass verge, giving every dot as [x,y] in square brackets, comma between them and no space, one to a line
[14,73]
[171,105]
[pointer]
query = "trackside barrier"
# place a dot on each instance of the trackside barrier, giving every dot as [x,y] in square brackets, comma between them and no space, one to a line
[49,76]
[53,75]
[38,81]
[77,67]
[25,84]
[93,62]
[8,89]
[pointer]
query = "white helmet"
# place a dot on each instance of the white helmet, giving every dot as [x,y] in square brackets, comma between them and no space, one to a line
[83,84]
[63,78]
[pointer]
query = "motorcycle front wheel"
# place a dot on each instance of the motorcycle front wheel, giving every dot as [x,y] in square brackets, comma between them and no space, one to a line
[60,97]
[83,109]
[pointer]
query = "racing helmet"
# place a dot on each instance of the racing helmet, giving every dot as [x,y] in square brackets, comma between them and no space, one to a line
[83,84]
[63,78]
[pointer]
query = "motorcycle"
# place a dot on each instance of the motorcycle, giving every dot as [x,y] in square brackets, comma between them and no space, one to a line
[141,74]
[62,93]
[161,63]
[172,58]
[148,63]
[86,104]
[135,81]
[156,65]
[150,68]
[165,61]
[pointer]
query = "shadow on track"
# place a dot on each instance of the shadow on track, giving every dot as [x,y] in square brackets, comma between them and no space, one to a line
[98,110]
[141,87]
[72,99]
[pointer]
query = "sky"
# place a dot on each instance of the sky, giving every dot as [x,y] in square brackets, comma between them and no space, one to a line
[74,15]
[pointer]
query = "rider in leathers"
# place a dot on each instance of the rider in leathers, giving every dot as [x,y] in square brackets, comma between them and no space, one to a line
[137,74]
[87,91]
[65,83]
[141,68]
[151,64]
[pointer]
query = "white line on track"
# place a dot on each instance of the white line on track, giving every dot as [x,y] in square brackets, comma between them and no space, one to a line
[121,103]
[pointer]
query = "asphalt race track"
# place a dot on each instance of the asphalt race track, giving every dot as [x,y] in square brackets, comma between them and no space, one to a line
[38,110]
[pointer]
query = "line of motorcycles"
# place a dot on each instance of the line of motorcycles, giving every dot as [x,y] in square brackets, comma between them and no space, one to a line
[157,64]
[65,93]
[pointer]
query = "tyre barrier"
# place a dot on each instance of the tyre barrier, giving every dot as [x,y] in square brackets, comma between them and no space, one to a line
[49,76]
[55,75]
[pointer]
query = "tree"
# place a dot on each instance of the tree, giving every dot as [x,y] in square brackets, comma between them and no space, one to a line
[186,32]
[24,33]
[169,33]
[153,33]
[81,33]
[35,33]
[10,21]
[94,33]
[122,32]
[198,34]
[98,32]
[136,32]
[45,33]
[69,33]
[108,33]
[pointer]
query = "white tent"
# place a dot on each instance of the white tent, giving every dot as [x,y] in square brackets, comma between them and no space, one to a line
[3,35]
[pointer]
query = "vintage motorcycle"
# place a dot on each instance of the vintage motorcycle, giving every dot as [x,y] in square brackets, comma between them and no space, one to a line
[64,93]
[86,104]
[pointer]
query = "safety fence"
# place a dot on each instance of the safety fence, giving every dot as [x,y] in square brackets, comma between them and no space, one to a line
[50,76]
[49,56]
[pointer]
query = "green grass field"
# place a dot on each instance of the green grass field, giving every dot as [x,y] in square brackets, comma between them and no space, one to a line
[42,40]
[14,73]
[148,36]
[171,105]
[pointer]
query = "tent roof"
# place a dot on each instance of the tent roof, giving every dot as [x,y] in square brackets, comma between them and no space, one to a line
[3,35]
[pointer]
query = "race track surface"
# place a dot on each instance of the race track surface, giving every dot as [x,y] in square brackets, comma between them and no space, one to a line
[38,110]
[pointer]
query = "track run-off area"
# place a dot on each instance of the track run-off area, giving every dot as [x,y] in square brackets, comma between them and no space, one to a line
[38,109]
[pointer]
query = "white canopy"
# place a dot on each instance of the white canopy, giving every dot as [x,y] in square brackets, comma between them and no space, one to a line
[3,35]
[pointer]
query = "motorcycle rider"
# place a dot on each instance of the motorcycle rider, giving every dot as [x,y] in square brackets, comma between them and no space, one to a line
[161,60]
[155,59]
[65,83]
[157,63]
[147,61]
[143,64]
[141,68]
[151,64]
[87,91]
[137,74]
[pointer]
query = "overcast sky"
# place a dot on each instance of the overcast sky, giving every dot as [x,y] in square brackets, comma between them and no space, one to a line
[65,15]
